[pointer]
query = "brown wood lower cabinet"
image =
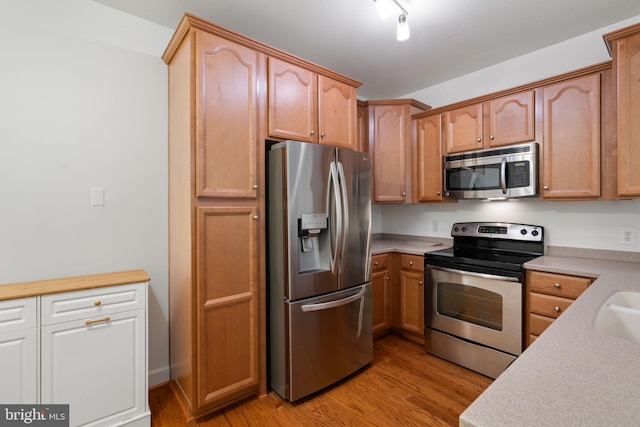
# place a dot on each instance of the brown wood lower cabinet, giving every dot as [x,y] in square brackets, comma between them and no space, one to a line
[412,296]
[548,296]
[398,295]
[381,294]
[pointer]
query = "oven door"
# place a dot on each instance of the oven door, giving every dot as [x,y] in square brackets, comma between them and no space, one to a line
[481,308]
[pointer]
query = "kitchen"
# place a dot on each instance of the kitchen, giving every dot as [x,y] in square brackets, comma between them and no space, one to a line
[118,144]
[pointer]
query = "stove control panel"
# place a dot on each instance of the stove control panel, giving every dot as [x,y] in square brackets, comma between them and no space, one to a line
[498,230]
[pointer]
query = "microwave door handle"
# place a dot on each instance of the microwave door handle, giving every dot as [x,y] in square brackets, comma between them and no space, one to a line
[503,175]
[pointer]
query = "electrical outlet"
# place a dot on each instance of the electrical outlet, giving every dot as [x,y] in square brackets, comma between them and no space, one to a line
[435,227]
[627,236]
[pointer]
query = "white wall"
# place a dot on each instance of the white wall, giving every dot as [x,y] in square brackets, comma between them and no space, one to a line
[83,103]
[574,224]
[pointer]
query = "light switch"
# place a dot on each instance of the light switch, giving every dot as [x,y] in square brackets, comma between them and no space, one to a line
[97,196]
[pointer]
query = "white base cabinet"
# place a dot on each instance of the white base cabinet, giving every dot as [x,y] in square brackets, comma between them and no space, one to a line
[85,348]
[18,351]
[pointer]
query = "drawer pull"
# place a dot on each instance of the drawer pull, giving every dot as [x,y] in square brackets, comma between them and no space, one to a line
[557,309]
[376,263]
[419,282]
[386,278]
[410,262]
[556,285]
[91,322]
[97,302]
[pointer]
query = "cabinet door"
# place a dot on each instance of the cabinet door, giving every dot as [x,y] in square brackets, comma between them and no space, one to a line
[389,152]
[380,284]
[18,351]
[463,129]
[227,317]
[227,118]
[509,120]
[18,367]
[571,139]
[337,113]
[429,158]
[363,128]
[97,366]
[412,301]
[627,66]
[293,102]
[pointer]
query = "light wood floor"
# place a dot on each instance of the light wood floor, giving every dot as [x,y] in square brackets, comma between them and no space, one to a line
[403,386]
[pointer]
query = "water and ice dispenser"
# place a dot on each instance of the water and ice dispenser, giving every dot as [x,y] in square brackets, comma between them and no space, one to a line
[313,242]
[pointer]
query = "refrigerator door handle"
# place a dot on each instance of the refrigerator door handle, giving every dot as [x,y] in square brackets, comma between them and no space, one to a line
[337,303]
[344,213]
[334,183]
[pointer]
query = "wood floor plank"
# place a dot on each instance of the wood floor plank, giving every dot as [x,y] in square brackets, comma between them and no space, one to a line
[403,386]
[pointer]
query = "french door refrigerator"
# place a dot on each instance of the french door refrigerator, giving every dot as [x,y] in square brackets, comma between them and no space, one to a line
[319,258]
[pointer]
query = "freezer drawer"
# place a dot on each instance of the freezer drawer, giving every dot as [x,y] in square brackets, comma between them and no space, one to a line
[330,338]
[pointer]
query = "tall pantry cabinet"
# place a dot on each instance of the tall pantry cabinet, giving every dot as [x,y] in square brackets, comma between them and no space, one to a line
[228,94]
[216,90]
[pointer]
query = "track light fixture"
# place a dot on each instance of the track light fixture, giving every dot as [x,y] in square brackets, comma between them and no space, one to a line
[385,8]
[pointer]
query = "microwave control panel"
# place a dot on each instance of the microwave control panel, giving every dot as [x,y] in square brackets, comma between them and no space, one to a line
[518,174]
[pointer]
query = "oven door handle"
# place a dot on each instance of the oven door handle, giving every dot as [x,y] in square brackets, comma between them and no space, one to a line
[474,274]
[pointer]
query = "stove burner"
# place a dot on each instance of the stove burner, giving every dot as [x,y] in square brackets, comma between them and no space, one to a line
[490,247]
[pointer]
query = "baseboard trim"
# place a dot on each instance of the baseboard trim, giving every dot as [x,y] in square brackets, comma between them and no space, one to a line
[159,376]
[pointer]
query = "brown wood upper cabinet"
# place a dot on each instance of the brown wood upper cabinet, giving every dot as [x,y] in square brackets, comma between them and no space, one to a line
[429,158]
[624,45]
[570,166]
[502,121]
[391,149]
[306,106]
[227,106]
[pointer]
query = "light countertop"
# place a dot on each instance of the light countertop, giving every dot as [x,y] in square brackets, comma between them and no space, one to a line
[68,284]
[571,375]
[407,246]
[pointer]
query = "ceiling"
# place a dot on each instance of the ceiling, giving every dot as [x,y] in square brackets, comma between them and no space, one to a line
[449,38]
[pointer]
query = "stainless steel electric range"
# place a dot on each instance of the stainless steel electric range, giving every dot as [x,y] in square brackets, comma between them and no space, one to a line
[474,294]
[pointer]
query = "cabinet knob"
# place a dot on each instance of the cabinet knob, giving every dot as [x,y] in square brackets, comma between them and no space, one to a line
[313,132]
[404,194]
[255,217]
[437,193]
[420,282]
[556,285]
[255,186]
[557,309]
[386,278]
[410,262]
[546,187]
[376,263]
[97,302]
[322,135]
[479,140]
[492,137]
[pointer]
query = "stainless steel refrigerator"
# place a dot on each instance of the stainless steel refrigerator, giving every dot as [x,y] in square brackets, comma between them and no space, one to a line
[319,240]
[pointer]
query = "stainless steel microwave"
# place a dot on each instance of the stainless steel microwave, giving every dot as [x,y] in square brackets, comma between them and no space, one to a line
[496,173]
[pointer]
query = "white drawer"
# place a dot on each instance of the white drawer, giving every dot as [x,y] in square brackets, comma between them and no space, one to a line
[76,305]
[17,314]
